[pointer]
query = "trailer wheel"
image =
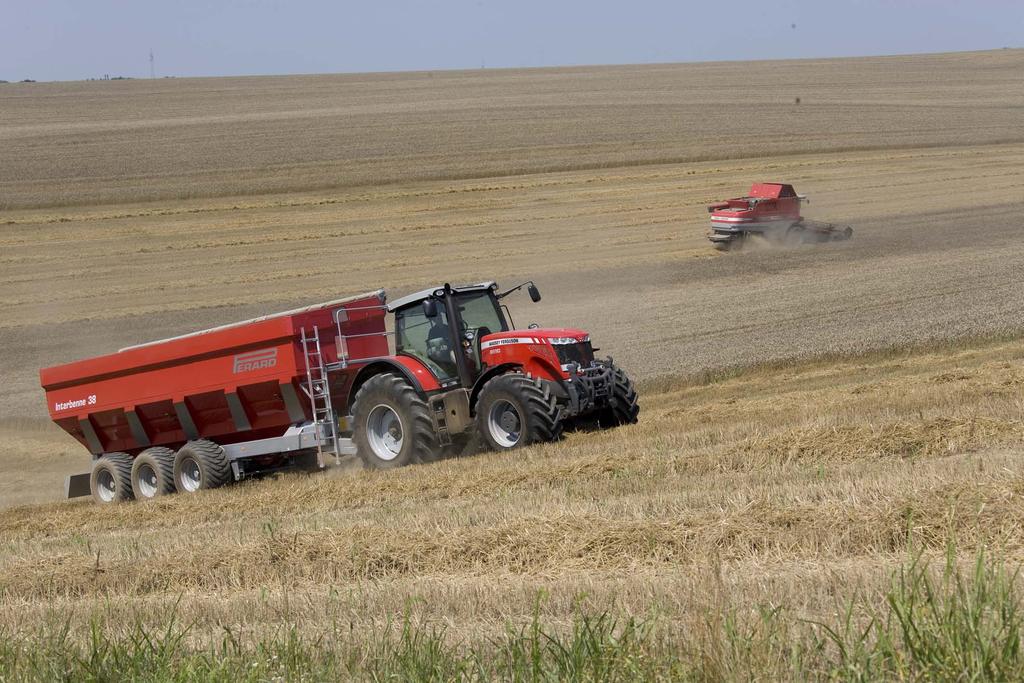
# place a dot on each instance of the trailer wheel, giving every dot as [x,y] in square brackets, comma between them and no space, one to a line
[392,425]
[200,465]
[111,478]
[515,410]
[623,407]
[153,473]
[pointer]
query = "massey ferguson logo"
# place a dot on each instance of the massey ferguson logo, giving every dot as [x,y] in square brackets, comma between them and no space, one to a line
[255,360]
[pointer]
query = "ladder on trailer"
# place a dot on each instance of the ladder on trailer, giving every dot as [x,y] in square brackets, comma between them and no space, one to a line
[319,392]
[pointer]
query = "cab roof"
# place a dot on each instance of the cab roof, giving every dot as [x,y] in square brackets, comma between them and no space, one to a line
[404,301]
[771,190]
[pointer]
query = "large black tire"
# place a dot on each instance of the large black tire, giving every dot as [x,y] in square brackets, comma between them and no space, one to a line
[391,424]
[200,465]
[153,473]
[515,410]
[111,478]
[623,407]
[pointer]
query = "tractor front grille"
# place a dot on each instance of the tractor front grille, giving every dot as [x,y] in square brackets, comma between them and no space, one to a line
[581,353]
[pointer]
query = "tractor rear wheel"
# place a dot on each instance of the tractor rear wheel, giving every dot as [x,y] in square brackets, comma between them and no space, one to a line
[392,425]
[516,410]
[111,478]
[200,465]
[623,407]
[153,473]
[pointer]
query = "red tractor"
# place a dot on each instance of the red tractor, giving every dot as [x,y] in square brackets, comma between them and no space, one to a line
[771,211]
[286,390]
[515,386]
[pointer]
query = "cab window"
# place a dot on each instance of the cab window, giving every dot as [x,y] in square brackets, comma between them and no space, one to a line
[427,339]
[480,310]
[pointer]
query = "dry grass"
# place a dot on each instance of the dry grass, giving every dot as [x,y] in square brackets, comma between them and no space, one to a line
[790,485]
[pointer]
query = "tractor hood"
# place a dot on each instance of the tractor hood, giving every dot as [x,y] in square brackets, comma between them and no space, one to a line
[537,335]
[541,351]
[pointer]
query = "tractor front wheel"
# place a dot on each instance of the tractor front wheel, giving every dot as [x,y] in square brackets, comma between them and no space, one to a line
[392,425]
[623,407]
[515,410]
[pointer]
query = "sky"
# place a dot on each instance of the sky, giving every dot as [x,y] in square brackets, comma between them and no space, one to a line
[77,39]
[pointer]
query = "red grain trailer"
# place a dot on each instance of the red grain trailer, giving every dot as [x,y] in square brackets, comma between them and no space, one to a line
[244,386]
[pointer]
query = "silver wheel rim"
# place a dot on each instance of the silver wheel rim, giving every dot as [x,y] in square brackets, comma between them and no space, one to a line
[191,476]
[105,485]
[505,424]
[146,483]
[384,432]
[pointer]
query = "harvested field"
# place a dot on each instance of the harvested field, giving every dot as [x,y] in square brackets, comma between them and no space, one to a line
[796,486]
[184,138]
[135,210]
[925,264]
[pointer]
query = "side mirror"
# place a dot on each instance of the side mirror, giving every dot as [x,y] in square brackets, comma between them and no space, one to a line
[534,293]
[430,308]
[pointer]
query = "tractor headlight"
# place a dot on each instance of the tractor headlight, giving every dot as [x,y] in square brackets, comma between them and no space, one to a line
[568,340]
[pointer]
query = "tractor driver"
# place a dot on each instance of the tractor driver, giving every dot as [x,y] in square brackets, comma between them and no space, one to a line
[439,345]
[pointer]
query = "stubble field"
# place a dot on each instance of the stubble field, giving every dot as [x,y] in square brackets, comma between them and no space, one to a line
[135,210]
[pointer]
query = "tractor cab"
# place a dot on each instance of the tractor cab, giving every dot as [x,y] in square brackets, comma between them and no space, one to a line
[444,328]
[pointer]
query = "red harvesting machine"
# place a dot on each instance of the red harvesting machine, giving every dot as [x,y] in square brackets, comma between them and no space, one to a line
[772,211]
[293,389]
